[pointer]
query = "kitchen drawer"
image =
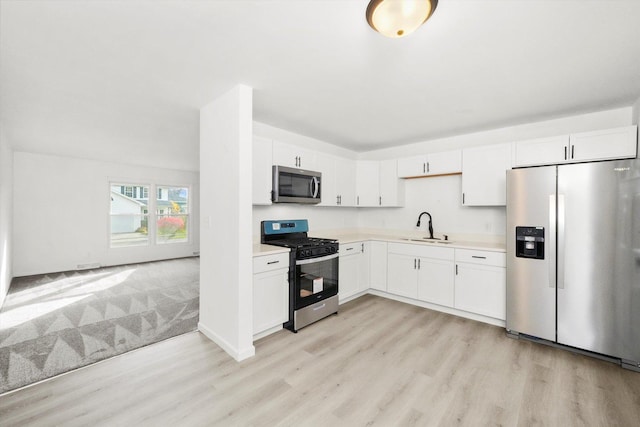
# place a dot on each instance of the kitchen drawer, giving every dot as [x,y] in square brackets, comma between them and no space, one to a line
[270,262]
[421,251]
[350,248]
[497,259]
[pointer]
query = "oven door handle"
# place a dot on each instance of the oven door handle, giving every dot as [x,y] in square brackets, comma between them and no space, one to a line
[319,259]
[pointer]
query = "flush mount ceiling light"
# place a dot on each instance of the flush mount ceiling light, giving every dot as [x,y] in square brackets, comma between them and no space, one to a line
[398,18]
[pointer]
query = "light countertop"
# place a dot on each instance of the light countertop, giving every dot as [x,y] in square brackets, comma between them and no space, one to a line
[346,236]
[262,250]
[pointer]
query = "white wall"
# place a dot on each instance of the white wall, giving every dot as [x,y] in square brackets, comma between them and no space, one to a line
[61,213]
[441,197]
[320,217]
[6,215]
[636,112]
[226,258]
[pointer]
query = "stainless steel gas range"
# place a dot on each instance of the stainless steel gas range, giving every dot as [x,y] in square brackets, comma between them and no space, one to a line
[313,271]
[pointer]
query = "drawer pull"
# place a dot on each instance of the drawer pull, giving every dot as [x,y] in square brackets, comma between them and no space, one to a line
[349,249]
[479,257]
[273,262]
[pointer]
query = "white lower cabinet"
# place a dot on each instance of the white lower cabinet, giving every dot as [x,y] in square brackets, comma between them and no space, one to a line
[402,275]
[270,291]
[435,281]
[480,282]
[421,272]
[353,270]
[378,265]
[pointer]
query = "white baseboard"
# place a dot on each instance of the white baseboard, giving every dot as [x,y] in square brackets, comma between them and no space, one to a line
[267,332]
[436,307]
[237,354]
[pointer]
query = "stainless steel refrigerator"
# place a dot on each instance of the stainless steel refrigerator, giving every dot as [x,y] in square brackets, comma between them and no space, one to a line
[573,256]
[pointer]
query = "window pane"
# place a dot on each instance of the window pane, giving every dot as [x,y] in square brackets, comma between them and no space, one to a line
[172,210]
[129,219]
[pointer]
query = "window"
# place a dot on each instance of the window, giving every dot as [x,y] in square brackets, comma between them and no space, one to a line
[129,217]
[127,191]
[138,221]
[173,215]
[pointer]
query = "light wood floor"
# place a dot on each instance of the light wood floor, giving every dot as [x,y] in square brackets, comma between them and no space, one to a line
[379,362]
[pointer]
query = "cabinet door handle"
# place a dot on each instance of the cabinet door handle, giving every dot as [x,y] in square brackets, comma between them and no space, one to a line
[427,167]
[272,262]
[456,269]
[572,150]
[358,200]
[463,198]
[479,257]
[565,152]
[415,263]
[418,263]
[362,247]
[380,201]
[424,167]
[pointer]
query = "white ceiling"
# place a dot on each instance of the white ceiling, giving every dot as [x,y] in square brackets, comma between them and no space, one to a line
[95,78]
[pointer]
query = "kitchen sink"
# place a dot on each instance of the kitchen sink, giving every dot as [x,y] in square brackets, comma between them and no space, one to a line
[426,240]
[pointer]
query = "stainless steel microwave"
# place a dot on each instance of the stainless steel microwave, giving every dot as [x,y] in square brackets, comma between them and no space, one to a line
[291,185]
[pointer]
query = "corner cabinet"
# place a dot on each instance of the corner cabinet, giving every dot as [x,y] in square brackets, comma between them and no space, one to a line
[270,293]
[480,282]
[617,143]
[378,265]
[443,163]
[353,270]
[484,175]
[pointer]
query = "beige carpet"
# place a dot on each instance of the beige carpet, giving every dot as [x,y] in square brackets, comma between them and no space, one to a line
[52,323]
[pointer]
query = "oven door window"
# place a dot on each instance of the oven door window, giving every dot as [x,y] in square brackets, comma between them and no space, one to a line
[316,279]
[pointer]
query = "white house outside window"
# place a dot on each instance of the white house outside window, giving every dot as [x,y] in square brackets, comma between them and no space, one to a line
[129,217]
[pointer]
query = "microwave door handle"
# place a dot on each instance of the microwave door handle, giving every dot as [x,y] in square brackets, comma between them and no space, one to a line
[314,187]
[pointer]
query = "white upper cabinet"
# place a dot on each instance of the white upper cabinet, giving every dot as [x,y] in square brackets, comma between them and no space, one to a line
[412,166]
[326,164]
[442,163]
[346,182]
[293,156]
[391,188]
[262,175]
[484,171]
[367,183]
[617,143]
[541,151]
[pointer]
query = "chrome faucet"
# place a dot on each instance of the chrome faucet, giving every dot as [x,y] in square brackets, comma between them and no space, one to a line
[430,223]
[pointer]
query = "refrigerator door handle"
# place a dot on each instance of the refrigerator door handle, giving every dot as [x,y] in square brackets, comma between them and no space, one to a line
[551,247]
[561,239]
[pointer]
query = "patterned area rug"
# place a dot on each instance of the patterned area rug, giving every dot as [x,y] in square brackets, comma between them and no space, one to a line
[54,323]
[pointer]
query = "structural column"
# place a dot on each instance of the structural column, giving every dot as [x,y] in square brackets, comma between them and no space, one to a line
[226,259]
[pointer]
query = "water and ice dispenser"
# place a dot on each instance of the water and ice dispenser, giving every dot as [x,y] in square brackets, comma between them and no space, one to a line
[530,242]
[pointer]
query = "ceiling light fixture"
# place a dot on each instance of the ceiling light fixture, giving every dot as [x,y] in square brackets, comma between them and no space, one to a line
[398,18]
